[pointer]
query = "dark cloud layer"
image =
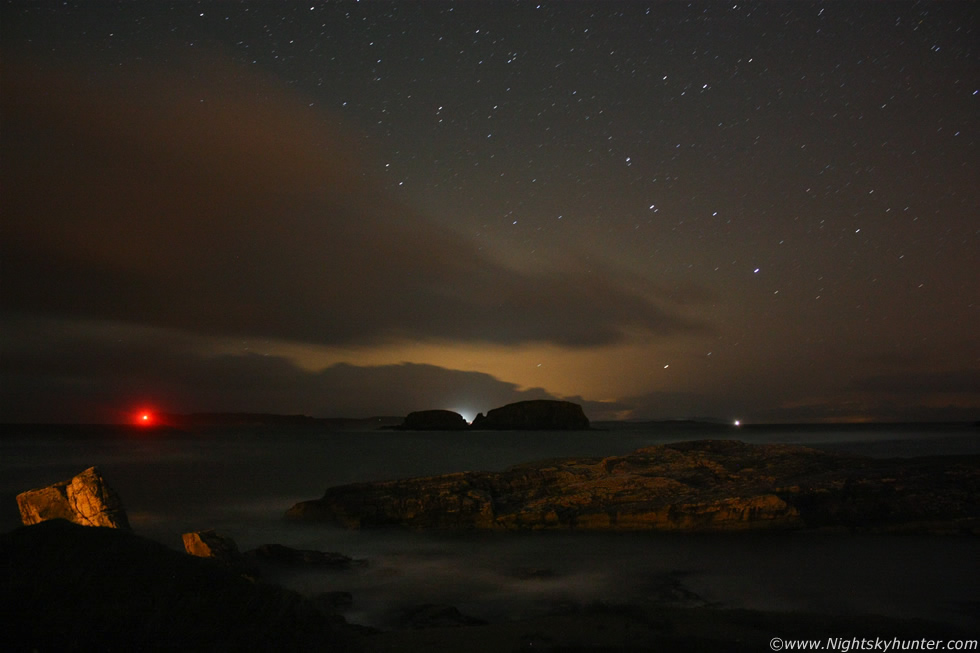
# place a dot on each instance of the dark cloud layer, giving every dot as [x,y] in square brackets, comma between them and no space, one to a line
[205,198]
[961,381]
[101,373]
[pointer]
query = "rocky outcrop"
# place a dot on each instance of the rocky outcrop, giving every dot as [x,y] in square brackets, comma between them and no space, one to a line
[537,415]
[702,486]
[256,563]
[85,499]
[284,555]
[68,588]
[434,420]
[209,544]
[452,501]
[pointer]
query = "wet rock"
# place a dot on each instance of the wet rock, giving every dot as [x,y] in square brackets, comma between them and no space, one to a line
[209,544]
[85,499]
[537,415]
[702,486]
[453,501]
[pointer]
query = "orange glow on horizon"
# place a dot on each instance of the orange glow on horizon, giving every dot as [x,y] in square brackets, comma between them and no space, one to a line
[144,418]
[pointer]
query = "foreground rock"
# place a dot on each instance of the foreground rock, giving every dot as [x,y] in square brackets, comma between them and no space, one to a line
[68,588]
[85,499]
[209,544]
[538,415]
[703,486]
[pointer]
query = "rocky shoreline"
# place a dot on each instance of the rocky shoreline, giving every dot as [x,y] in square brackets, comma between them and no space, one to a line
[699,486]
[94,584]
[65,587]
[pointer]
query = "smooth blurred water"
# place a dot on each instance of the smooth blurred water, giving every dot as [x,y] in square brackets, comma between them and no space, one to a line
[241,481]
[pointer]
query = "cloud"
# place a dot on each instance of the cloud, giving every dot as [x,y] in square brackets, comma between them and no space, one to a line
[948,382]
[202,197]
[101,372]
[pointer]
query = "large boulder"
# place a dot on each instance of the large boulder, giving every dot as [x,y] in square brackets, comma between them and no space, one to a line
[536,415]
[85,499]
[702,486]
[434,420]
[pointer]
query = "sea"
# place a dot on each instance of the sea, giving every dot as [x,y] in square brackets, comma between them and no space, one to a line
[240,481]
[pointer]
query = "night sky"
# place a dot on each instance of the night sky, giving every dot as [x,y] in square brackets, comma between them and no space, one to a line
[659,210]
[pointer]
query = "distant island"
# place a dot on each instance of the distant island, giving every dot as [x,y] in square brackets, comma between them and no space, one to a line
[533,415]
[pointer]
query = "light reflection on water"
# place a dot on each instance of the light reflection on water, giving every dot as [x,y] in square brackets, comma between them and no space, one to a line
[241,482]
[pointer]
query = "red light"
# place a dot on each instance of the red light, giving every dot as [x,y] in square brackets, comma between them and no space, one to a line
[144,418]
